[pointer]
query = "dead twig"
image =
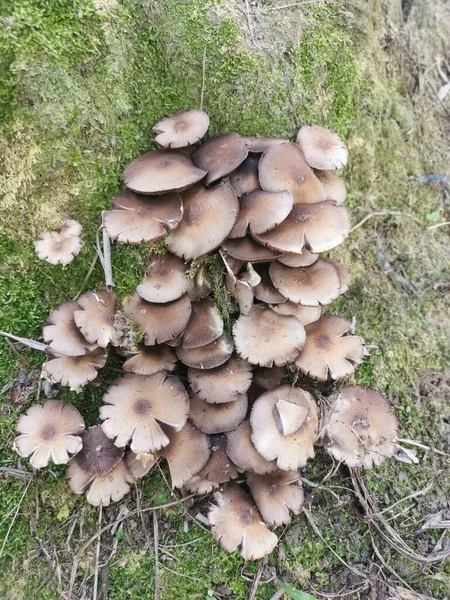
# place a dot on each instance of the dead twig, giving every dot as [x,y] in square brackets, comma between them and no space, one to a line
[437,225]
[88,274]
[155,546]
[202,91]
[97,553]
[109,282]
[25,341]
[16,473]
[423,446]
[257,579]
[383,213]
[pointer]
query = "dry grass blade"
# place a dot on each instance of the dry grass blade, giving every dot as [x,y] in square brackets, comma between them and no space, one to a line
[155,546]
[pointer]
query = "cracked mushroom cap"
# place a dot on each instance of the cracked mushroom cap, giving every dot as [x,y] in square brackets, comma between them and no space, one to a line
[100,489]
[205,325]
[135,408]
[322,148]
[265,338]
[305,259]
[161,172]
[76,371]
[329,351]
[276,495]
[219,469]
[136,219]
[209,356]
[265,291]
[181,129]
[165,280]
[243,453]
[139,464]
[257,145]
[187,453]
[236,523]
[268,379]
[220,156]
[245,179]
[223,384]
[160,322]
[283,167]
[95,320]
[333,185]
[261,211]
[316,285]
[305,314]
[361,428]
[70,228]
[217,418]
[62,334]
[151,359]
[248,250]
[49,433]
[270,417]
[209,216]
[57,249]
[318,227]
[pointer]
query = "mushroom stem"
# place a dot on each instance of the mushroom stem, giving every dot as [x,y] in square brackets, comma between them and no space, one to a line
[105,256]
[26,341]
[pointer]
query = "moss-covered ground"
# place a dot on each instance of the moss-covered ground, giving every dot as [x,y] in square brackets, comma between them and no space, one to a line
[81,83]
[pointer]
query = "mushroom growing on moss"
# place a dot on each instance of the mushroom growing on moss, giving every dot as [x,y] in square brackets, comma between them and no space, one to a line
[322,148]
[220,156]
[181,129]
[62,334]
[276,495]
[60,247]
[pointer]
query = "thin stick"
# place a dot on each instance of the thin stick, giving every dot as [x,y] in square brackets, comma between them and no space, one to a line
[97,554]
[437,225]
[384,213]
[155,546]
[107,258]
[202,91]
[257,579]
[89,273]
[294,4]
[423,446]
[11,525]
[26,341]
[23,361]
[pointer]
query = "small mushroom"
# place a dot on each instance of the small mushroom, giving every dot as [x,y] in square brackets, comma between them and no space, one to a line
[165,280]
[49,433]
[217,418]
[57,249]
[305,314]
[265,338]
[322,148]
[201,285]
[220,156]
[305,259]
[265,291]
[276,495]
[333,185]
[219,469]
[248,250]
[245,179]
[70,228]
[95,320]
[62,334]
[139,464]
[261,211]
[257,145]
[182,128]
[236,523]
[268,379]
[205,325]
[223,384]
[76,371]
[360,429]
[135,407]
[329,351]
[243,453]
[209,356]
[162,172]
[151,359]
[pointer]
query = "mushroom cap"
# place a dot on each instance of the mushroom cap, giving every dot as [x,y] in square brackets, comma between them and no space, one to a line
[205,324]
[99,454]
[243,453]
[57,249]
[217,418]
[209,356]
[201,285]
[316,285]
[96,319]
[235,522]
[209,216]
[135,407]
[187,453]
[322,148]
[318,227]
[139,464]
[70,228]
[101,489]
[265,338]
[343,274]
[270,378]
[160,322]
[305,314]
[136,219]
[290,451]
[276,495]
[361,428]
[261,211]
[333,185]
[265,291]
[220,156]
[328,351]
[76,371]
[151,359]
[283,167]
[160,172]
[219,469]
[305,259]
[165,280]
[258,145]
[62,334]
[182,128]
[49,433]
[245,179]
[223,384]
[248,250]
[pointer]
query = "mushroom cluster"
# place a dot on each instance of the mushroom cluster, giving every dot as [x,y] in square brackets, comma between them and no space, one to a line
[209,393]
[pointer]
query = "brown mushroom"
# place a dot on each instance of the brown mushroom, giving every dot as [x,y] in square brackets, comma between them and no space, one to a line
[139,464]
[62,334]
[205,324]
[151,359]
[57,249]
[209,216]
[265,291]
[305,314]
[360,429]
[270,378]
[95,320]
[236,523]
[220,156]
[243,453]
[248,250]
[182,128]
[258,145]
[219,469]
[70,228]
[333,185]
[201,285]
[99,454]
[276,495]
[223,384]
[305,259]
[76,371]
[261,211]
[209,356]
[49,433]
[322,148]
[217,418]
[135,407]
[165,280]
[245,179]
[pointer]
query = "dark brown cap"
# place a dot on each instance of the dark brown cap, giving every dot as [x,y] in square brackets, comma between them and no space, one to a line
[99,454]
[165,281]
[220,156]
[205,324]
[217,418]
[151,359]
[223,384]
[248,250]
[245,179]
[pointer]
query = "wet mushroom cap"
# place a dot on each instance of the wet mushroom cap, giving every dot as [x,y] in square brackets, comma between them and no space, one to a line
[220,156]
[161,172]
[276,495]
[322,148]
[209,356]
[261,211]
[102,489]
[283,167]
[96,319]
[205,324]
[76,371]
[223,384]
[236,523]
[333,185]
[243,453]
[139,464]
[62,334]
[219,468]
[305,314]
[248,250]
[166,279]
[182,128]
[136,219]
[49,433]
[57,249]
[305,259]
[209,216]
[245,179]
[361,428]
[328,351]
[135,408]
[217,418]
[265,338]
[70,228]
[151,359]
[99,454]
